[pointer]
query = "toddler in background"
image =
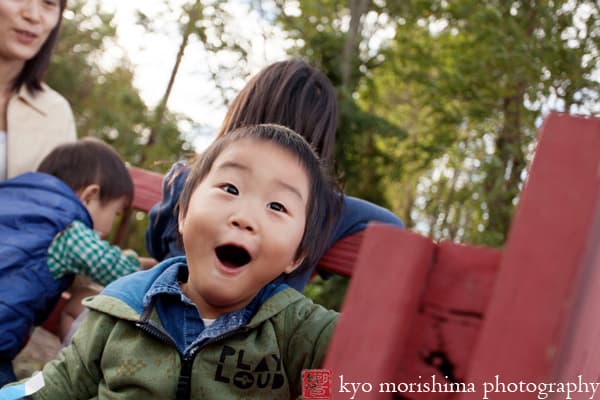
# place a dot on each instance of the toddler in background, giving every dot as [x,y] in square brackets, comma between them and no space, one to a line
[51,227]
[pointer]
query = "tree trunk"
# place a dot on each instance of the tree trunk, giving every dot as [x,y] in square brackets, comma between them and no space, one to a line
[502,184]
[193,17]
[357,9]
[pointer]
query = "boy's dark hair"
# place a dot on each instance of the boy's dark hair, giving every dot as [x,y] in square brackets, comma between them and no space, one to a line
[291,93]
[35,69]
[90,161]
[324,203]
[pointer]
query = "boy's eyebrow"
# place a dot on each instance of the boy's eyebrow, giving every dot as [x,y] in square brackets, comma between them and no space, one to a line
[235,165]
[290,188]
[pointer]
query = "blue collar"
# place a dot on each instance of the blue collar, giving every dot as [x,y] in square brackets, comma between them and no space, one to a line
[180,317]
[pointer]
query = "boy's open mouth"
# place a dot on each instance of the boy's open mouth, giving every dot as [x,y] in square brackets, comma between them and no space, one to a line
[233,256]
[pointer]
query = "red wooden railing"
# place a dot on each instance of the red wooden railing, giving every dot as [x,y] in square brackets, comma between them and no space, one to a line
[417,311]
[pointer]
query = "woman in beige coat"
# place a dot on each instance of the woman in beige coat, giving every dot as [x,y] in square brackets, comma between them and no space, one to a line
[33,117]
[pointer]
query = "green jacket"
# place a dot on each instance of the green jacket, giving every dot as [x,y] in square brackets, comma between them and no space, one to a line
[113,358]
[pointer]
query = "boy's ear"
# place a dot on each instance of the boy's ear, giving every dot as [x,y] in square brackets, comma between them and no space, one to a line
[180,221]
[89,193]
[294,265]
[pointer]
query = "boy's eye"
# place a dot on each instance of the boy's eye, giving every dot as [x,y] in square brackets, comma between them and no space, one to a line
[229,188]
[277,207]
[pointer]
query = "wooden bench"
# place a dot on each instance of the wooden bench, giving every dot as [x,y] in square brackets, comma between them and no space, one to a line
[417,310]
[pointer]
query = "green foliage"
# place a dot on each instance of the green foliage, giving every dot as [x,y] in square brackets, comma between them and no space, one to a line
[467,80]
[105,102]
[327,292]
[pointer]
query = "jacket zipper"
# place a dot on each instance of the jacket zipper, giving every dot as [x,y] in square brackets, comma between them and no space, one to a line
[184,383]
[156,332]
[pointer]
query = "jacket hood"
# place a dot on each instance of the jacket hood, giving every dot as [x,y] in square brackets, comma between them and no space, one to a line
[124,298]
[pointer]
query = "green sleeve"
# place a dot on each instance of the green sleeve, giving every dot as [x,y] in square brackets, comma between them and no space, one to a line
[308,328]
[80,250]
[76,374]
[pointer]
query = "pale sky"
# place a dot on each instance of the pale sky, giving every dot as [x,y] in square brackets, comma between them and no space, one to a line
[193,94]
[153,56]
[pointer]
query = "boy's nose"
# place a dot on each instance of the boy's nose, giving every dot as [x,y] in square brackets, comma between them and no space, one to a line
[241,222]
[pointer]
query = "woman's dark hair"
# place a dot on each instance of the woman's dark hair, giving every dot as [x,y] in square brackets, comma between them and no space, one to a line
[35,69]
[324,203]
[90,161]
[291,93]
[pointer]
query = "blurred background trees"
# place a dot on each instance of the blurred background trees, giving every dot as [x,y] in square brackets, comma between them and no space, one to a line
[440,100]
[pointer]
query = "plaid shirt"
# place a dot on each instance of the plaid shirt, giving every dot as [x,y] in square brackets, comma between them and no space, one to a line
[79,250]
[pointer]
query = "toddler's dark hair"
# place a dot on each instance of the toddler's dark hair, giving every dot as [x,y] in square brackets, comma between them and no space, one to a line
[90,161]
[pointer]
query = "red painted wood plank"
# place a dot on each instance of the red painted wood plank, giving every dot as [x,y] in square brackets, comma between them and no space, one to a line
[450,316]
[148,186]
[580,353]
[540,274]
[341,257]
[148,192]
[380,306]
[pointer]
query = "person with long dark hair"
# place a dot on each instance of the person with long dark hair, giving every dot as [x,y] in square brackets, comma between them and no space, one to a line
[34,119]
[291,93]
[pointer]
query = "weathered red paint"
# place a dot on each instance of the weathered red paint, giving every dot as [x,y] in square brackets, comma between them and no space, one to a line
[543,286]
[378,315]
[147,188]
[528,313]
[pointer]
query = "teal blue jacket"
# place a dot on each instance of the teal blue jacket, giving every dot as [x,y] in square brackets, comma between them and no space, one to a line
[34,208]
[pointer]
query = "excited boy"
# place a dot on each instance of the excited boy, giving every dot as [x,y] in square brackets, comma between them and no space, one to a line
[214,324]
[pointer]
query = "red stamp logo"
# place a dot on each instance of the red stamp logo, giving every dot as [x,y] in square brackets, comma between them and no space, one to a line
[316,384]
